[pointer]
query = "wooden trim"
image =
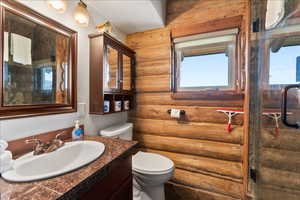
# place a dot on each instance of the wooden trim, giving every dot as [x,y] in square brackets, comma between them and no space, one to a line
[115,41]
[246,130]
[165,98]
[215,25]
[209,95]
[120,69]
[96,75]
[18,111]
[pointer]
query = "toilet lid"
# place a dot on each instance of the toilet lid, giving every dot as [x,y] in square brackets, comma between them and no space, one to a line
[151,163]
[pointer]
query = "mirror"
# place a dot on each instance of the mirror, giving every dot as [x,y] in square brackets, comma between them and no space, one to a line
[36,63]
[126,72]
[111,71]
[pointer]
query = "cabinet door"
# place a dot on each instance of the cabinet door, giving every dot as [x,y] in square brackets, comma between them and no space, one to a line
[127,63]
[124,192]
[111,72]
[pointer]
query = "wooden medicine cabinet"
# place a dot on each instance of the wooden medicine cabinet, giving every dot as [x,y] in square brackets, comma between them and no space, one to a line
[111,75]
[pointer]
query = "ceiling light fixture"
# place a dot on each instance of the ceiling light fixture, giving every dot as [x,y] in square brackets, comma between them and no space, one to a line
[81,14]
[57,5]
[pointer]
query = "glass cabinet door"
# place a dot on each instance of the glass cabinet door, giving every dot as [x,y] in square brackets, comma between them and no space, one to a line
[111,70]
[127,62]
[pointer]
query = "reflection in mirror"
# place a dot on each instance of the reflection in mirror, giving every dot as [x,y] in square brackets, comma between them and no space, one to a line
[280,13]
[126,72]
[283,62]
[293,106]
[111,71]
[36,64]
[275,13]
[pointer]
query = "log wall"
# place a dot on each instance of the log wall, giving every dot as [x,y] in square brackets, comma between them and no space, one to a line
[208,160]
[279,163]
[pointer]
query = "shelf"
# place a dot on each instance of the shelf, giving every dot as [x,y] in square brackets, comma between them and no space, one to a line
[120,93]
[113,97]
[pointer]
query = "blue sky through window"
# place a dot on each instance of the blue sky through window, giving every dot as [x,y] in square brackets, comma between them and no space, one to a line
[204,70]
[283,65]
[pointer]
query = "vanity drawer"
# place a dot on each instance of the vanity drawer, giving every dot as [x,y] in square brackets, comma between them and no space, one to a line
[118,178]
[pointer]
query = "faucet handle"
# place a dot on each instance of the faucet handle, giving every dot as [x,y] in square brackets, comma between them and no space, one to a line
[34,140]
[60,134]
[39,148]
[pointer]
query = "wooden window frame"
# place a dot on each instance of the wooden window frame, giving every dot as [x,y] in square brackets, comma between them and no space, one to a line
[236,92]
[19,111]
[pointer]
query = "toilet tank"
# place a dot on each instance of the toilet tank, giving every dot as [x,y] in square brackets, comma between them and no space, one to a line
[122,131]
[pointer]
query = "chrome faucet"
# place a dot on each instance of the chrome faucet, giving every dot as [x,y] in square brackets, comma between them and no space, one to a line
[46,147]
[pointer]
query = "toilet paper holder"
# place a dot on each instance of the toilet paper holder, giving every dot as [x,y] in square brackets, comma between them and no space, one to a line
[182,112]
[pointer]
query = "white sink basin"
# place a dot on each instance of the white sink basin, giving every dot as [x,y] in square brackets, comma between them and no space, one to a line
[71,156]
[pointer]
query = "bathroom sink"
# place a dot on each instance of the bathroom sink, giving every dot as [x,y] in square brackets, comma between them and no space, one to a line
[71,156]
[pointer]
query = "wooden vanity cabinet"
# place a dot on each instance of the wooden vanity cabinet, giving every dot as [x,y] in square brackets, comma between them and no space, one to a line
[116,183]
[111,74]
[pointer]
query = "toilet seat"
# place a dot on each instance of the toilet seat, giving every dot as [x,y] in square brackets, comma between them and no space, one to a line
[151,163]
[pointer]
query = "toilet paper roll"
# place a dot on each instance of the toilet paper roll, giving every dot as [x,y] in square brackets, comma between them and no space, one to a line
[175,113]
[3,146]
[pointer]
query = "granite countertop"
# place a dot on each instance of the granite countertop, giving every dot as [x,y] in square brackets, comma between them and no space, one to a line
[68,185]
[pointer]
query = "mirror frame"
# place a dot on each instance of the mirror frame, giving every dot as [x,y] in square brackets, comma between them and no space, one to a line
[18,111]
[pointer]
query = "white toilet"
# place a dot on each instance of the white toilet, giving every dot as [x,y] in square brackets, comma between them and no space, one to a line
[150,170]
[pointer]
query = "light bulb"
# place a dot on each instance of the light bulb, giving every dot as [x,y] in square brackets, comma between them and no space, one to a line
[81,14]
[57,5]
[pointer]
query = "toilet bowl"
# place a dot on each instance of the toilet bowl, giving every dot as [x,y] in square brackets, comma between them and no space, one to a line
[150,170]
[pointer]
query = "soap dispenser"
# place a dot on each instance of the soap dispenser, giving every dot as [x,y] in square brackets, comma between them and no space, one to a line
[77,133]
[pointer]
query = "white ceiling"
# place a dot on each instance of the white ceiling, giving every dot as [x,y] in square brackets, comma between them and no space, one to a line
[129,16]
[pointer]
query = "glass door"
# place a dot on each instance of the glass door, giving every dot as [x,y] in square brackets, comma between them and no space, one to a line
[111,70]
[275,135]
[127,72]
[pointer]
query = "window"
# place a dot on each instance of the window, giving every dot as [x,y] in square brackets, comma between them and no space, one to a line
[284,67]
[213,65]
[205,62]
